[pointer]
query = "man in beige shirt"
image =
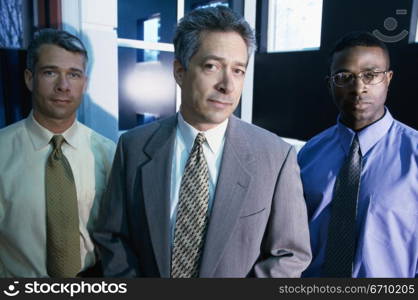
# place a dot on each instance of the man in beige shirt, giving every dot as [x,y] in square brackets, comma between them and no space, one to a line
[56,76]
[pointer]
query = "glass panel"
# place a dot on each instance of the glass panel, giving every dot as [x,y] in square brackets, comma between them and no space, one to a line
[145,19]
[11,24]
[151,34]
[147,89]
[294,25]
[194,4]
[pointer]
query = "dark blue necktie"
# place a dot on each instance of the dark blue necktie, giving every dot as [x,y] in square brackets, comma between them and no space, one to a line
[341,244]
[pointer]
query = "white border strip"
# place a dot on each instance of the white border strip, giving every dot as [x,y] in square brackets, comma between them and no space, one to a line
[145,45]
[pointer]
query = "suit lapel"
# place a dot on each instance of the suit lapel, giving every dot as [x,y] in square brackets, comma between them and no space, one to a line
[231,189]
[156,187]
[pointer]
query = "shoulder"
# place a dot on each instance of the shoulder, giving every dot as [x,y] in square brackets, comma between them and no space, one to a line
[143,130]
[13,139]
[97,141]
[10,131]
[407,135]
[260,139]
[405,130]
[140,135]
[11,136]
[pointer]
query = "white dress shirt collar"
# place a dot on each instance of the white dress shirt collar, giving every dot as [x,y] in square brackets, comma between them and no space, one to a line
[214,136]
[40,136]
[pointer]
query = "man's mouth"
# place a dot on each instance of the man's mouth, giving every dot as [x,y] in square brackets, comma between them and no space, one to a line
[360,104]
[220,103]
[60,100]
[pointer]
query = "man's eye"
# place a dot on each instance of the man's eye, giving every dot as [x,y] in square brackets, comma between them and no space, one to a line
[239,71]
[48,73]
[210,67]
[74,75]
[344,76]
[369,75]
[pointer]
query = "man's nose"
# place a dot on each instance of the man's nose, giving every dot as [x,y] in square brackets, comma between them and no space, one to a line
[226,83]
[358,86]
[62,84]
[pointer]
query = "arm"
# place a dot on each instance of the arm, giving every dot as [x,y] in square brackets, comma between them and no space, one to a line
[286,245]
[112,236]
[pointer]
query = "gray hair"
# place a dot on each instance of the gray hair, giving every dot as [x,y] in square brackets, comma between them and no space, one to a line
[220,18]
[55,37]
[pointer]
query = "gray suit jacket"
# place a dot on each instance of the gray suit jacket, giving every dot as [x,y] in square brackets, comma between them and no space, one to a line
[258,224]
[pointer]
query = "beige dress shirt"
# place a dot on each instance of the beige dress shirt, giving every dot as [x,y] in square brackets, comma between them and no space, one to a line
[24,149]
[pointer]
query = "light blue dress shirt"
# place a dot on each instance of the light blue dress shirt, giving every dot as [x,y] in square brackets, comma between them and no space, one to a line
[387,212]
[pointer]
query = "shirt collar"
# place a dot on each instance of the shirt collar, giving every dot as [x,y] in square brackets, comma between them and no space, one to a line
[214,137]
[368,136]
[40,136]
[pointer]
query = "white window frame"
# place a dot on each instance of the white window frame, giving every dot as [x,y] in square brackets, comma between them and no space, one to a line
[271,31]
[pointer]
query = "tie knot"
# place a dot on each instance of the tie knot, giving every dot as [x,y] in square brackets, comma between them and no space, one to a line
[57,141]
[355,145]
[200,139]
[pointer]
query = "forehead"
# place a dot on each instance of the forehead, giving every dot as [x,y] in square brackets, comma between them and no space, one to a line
[227,45]
[359,58]
[53,55]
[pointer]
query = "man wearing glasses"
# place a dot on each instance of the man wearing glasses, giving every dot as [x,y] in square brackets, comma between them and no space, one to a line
[360,176]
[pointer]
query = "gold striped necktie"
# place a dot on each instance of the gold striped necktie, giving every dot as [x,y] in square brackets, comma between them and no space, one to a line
[192,217]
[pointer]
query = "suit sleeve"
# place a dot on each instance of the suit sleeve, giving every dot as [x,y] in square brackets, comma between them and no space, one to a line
[286,245]
[112,236]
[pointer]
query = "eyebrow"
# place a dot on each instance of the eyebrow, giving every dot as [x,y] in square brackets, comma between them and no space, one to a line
[221,59]
[56,67]
[363,70]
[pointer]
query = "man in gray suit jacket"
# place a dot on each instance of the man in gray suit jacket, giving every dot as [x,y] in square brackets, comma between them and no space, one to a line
[253,219]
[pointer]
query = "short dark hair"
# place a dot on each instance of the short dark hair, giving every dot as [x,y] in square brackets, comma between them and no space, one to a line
[187,36]
[358,38]
[56,37]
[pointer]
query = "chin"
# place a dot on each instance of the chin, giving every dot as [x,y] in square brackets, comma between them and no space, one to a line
[62,115]
[218,119]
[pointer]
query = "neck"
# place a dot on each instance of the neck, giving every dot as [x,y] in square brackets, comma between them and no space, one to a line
[57,126]
[355,125]
[358,125]
[196,124]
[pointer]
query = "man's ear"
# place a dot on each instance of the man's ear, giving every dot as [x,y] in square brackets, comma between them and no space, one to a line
[389,75]
[178,71]
[86,83]
[28,79]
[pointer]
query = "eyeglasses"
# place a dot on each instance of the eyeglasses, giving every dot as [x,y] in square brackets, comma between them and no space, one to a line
[343,79]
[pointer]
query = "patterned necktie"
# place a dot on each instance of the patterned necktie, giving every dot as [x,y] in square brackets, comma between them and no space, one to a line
[191,220]
[63,237]
[341,245]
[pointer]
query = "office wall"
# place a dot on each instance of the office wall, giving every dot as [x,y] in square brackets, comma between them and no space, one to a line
[290,93]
